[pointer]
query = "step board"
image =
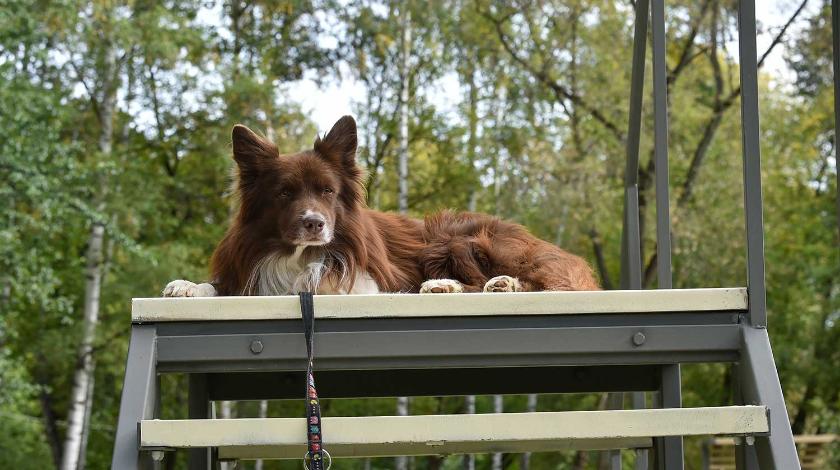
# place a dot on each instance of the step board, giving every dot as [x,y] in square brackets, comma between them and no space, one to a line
[379,436]
[438,305]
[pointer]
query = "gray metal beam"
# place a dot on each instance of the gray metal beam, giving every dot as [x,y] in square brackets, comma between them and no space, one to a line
[139,399]
[660,149]
[199,408]
[670,449]
[630,241]
[521,347]
[642,457]
[760,385]
[435,382]
[747,56]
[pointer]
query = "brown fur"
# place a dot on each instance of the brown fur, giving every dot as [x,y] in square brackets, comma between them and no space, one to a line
[398,252]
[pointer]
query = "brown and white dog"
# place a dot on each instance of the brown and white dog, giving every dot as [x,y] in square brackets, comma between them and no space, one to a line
[302,224]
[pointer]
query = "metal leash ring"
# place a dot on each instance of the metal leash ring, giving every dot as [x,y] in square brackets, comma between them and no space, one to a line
[328,458]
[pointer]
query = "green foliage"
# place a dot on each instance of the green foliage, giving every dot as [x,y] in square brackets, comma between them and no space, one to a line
[515,108]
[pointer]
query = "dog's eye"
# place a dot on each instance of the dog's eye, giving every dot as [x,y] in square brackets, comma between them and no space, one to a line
[328,191]
[283,194]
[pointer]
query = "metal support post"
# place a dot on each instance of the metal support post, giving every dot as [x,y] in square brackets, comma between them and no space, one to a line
[759,384]
[752,162]
[139,399]
[199,408]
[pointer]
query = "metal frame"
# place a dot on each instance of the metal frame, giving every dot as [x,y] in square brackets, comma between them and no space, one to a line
[443,356]
[599,351]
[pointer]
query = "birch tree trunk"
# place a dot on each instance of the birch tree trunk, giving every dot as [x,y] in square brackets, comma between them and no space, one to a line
[74,443]
[401,463]
[258,465]
[498,400]
[469,459]
[525,463]
[83,376]
[498,407]
[402,172]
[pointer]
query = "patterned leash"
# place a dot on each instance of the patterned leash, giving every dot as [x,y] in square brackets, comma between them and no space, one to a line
[314,457]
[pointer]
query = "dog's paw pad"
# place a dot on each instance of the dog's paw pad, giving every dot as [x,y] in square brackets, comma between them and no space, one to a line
[181,288]
[441,286]
[503,284]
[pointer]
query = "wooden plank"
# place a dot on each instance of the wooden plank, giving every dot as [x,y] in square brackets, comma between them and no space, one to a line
[446,434]
[812,451]
[441,305]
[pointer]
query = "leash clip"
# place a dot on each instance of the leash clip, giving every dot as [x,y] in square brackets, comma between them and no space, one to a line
[308,456]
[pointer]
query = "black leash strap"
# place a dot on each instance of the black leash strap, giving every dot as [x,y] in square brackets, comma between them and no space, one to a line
[315,452]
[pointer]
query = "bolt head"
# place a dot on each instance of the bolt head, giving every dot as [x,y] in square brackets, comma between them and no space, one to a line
[639,339]
[256,346]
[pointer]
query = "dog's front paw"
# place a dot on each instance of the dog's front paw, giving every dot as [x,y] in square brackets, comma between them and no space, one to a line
[441,286]
[503,284]
[181,288]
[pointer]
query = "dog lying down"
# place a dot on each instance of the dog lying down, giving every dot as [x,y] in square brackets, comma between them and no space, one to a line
[303,225]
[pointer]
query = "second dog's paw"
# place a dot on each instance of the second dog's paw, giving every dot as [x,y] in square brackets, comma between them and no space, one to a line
[181,288]
[503,284]
[441,286]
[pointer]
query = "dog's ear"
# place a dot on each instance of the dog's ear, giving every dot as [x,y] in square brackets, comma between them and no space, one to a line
[249,148]
[340,143]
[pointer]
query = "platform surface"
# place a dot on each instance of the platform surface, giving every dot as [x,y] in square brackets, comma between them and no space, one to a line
[446,434]
[145,310]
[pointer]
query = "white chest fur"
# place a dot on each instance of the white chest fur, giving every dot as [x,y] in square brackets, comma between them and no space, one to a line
[300,271]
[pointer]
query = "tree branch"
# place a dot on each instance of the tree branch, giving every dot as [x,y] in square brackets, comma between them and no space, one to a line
[600,263]
[560,91]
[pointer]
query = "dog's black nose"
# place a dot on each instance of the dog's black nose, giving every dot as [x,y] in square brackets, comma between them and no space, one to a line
[314,223]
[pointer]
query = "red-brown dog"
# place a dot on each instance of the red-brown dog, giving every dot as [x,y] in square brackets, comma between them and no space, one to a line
[302,224]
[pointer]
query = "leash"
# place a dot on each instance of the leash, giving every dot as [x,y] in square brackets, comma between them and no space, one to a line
[314,457]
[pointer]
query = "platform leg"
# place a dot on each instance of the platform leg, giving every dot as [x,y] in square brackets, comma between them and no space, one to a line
[669,450]
[615,401]
[199,408]
[642,456]
[759,382]
[139,399]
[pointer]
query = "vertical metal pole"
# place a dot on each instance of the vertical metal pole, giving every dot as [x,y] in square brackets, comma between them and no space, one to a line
[670,449]
[631,263]
[138,401]
[642,457]
[752,162]
[615,402]
[199,408]
[660,145]
[835,34]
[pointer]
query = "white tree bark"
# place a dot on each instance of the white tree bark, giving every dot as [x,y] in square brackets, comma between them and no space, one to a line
[226,412]
[74,444]
[402,172]
[525,463]
[401,463]
[258,465]
[83,376]
[469,459]
[498,407]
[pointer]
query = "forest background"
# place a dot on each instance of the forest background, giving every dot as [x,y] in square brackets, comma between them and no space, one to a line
[115,165]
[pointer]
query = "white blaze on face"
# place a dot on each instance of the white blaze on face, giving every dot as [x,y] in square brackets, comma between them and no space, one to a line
[324,237]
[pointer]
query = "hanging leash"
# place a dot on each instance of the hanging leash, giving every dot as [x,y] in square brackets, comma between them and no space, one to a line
[315,453]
